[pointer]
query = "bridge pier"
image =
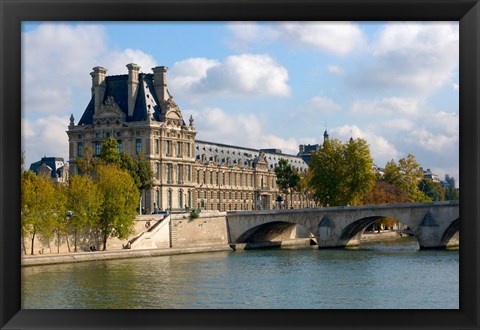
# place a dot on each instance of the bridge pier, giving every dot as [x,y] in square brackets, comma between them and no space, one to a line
[435,224]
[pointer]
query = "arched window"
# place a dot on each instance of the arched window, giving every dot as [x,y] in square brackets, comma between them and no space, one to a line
[169,199]
[180,199]
[189,199]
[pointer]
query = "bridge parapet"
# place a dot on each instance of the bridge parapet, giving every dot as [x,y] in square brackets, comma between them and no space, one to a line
[432,223]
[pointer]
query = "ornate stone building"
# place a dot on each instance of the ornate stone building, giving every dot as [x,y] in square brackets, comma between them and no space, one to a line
[138,110]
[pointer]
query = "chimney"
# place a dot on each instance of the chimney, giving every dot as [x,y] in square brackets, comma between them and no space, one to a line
[160,82]
[98,85]
[301,149]
[132,86]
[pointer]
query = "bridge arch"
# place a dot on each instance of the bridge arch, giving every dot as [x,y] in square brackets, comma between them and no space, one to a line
[352,233]
[274,231]
[450,236]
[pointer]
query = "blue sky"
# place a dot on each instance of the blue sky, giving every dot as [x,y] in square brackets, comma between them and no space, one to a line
[261,85]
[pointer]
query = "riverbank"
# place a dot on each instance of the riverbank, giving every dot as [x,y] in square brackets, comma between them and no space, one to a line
[50,259]
[71,257]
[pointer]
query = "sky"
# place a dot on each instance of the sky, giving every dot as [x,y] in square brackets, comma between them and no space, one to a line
[261,84]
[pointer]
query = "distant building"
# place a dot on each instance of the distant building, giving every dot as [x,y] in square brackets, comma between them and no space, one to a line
[53,167]
[138,111]
[427,174]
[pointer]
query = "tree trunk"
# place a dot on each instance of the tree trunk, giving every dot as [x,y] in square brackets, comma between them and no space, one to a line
[24,246]
[33,241]
[105,236]
[75,241]
[58,241]
[68,244]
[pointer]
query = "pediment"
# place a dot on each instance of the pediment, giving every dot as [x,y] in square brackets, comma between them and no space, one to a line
[109,113]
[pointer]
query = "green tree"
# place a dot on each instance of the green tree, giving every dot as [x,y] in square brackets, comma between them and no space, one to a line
[109,151]
[406,175]
[433,190]
[287,178]
[139,168]
[119,203]
[341,173]
[86,164]
[451,193]
[83,201]
[359,178]
[60,213]
[38,207]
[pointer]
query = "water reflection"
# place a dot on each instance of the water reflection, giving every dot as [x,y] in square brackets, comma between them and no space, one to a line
[383,275]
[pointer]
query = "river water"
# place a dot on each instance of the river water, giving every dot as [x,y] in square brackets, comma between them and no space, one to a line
[374,276]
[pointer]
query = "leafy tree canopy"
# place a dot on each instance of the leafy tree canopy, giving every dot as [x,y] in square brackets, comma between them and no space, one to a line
[119,204]
[341,173]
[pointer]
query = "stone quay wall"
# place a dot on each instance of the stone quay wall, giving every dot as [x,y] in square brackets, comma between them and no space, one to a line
[150,232]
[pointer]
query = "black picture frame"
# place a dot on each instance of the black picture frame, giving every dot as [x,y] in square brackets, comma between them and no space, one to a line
[13,12]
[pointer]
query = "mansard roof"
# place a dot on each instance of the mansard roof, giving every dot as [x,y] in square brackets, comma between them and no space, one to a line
[243,157]
[55,165]
[117,88]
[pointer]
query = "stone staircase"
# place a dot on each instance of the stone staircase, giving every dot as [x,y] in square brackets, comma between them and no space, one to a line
[155,237]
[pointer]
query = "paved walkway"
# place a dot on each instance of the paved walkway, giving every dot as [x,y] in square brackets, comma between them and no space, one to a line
[48,259]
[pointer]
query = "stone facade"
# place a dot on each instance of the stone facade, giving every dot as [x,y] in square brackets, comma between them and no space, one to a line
[138,110]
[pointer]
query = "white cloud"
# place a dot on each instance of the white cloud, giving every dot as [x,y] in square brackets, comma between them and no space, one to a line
[54,57]
[381,149]
[386,106]
[339,38]
[245,130]
[116,61]
[336,69]
[56,62]
[247,74]
[44,137]
[246,34]
[415,57]
[399,124]
[456,87]
[321,104]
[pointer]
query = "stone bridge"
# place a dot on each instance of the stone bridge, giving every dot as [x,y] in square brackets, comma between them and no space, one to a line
[435,224]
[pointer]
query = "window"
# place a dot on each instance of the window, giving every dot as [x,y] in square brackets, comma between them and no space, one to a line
[80,136]
[178,149]
[157,199]
[187,149]
[169,148]
[179,174]
[198,176]
[107,135]
[223,178]
[157,171]
[119,146]
[169,173]
[180,199]
[139,145]
[119,134]
[98,148]
[211,177]
[80,149]
[156,146]
[189,199]
[189,173]
[169,199]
